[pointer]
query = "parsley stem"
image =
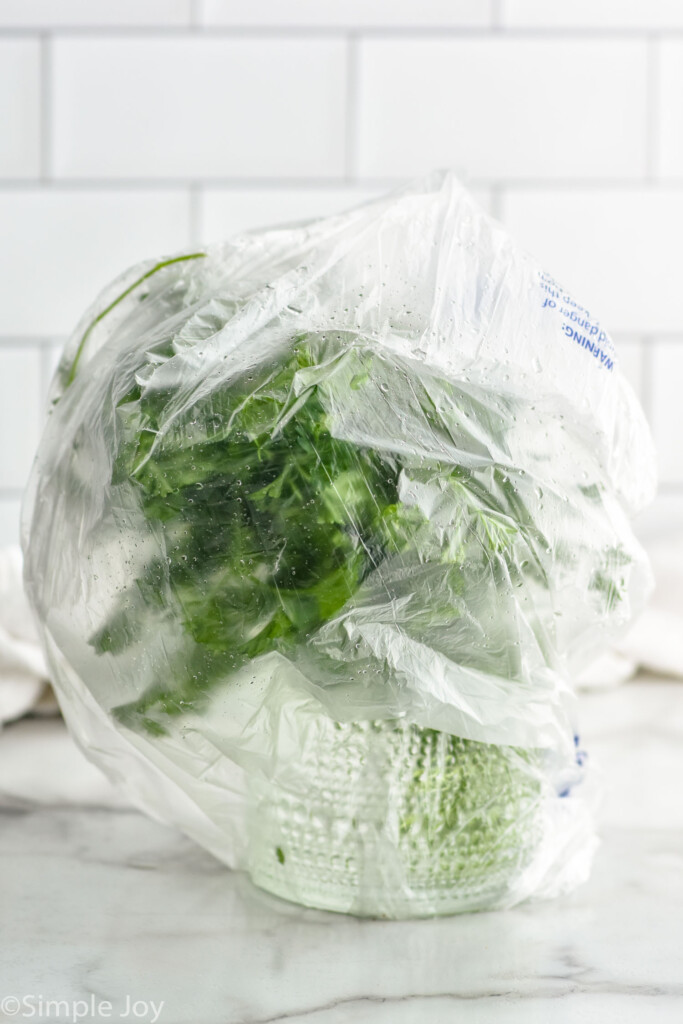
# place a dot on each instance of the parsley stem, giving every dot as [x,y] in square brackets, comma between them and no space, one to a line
[120,298]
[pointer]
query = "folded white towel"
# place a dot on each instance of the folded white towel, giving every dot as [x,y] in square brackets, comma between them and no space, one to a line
[41,764]
[23,675]
[655,640]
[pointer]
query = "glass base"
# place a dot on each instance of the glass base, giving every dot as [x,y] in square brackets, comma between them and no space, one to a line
[385,819]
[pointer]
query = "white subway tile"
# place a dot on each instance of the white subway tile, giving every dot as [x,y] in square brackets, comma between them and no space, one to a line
[10,511]
[505,107]
[630,361]
[60,247]
[227,211]
[19,108]
[619,14]
[77,13]
[618,250]
[667,408]
[20,413]
[484,196]
[51,355]
[661,519]
[669,158]
[196,106]
[347,13]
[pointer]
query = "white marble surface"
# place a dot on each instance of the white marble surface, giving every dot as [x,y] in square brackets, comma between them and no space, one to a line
[101,904]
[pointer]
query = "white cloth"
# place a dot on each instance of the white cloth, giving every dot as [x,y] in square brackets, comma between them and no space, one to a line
[23,675]
[655,640]
[41,765]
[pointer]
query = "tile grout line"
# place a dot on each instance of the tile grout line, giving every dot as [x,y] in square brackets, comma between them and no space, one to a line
[200,29]
[46,91]
[647,377]
[497,201]
[351,112]
[196,13]
[194,212]
[632,336]
[652,134]
[548,184]
[46,353]
[26,341]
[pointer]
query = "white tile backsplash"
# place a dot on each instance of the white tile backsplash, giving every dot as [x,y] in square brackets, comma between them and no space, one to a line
[615,14]
[669,96]
[667,409]
[101,13]
[664,517]
[50,356]
[347,13]
[68,244]
[10,511]
[199,107]
[20,414]
[617,250]
[226,212]
[500,108]
[130,128]
[19,108]
[630,361]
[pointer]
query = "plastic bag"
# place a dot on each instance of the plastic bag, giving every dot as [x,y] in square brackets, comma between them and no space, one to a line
[323,522]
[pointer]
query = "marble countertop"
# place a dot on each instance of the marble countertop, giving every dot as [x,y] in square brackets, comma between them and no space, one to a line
[113,916]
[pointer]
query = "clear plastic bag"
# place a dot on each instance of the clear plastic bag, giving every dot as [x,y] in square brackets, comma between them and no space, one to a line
[322,525]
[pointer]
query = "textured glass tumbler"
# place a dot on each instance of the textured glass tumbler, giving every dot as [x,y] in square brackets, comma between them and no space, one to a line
[384,819]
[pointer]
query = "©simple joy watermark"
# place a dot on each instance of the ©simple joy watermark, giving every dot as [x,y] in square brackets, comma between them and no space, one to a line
[73,1011]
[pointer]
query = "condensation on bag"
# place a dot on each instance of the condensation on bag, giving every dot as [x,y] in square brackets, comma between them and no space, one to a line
[324,522]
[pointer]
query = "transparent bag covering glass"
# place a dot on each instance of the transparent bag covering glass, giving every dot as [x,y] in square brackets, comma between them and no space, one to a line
[323,524]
